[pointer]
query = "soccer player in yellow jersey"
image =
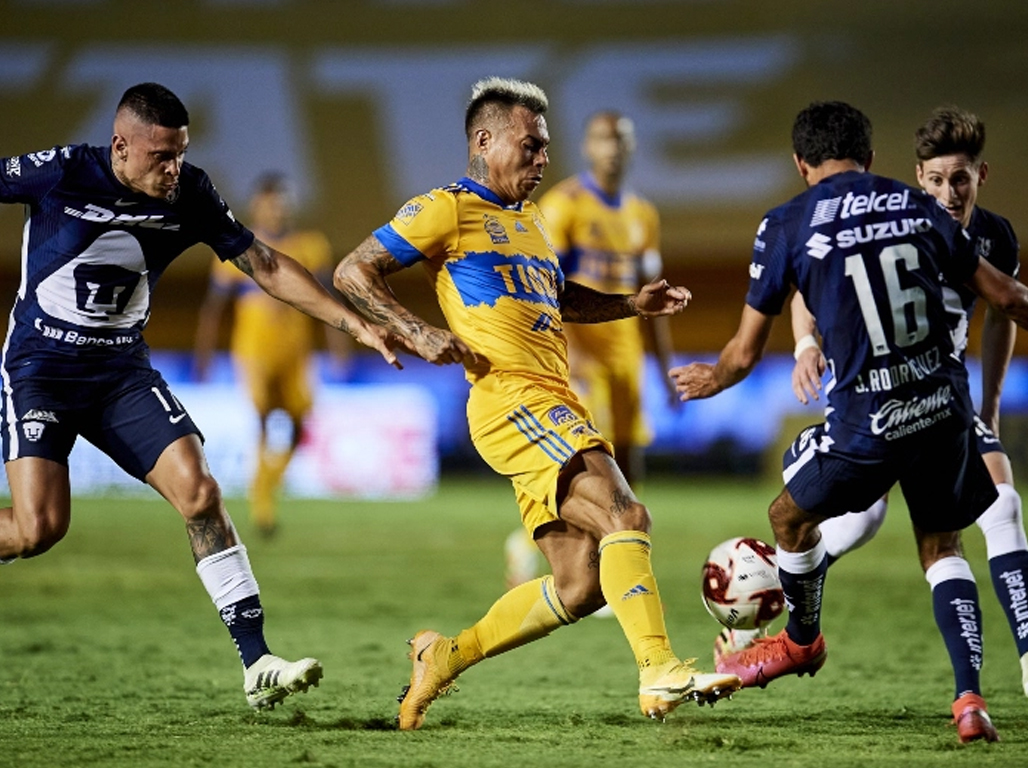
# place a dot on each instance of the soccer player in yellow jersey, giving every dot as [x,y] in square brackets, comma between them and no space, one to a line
[271,343]
[608,238]
[487,254]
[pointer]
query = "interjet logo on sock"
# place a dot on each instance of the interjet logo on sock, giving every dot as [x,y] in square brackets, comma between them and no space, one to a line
[1014,581]
[810,601]
[969,629]
[636,591]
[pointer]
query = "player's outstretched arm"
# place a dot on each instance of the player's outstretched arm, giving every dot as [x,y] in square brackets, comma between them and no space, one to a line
[699,380]
[998,334]
[361,278]
[810,363]
[1003,292]
[287,280]
[579,304]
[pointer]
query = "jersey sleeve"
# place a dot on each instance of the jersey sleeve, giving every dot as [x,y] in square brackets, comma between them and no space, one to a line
[27,178]
[651,264]
[219,228]
[1005,254]
[424,228]
[770,272]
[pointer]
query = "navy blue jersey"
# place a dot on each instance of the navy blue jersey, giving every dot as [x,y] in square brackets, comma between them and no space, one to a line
[92,252]
[870,254]
[994,240]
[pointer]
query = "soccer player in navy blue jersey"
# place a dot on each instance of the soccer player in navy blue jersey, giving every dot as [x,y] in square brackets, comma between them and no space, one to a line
[102,224]
[870,256]
[950,167]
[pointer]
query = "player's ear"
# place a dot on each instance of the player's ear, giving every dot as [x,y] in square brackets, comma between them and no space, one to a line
[869,161]
[919,173]
[983,173]
[481,139]
[119,145]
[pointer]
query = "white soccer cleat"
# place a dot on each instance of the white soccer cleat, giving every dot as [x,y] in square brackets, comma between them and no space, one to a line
[682,682]
[270,679]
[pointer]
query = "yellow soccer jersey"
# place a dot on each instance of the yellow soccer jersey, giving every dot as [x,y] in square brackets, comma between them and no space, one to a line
[605,244]
[601,241]
[266,328]
[495,274]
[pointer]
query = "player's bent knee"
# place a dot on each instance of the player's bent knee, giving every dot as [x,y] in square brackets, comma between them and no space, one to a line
[633,517]
[203,498]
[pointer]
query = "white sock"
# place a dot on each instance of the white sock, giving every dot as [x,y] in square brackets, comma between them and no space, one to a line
[227,576]
[799,563]
[948,568]
[847,532]
[1003,524]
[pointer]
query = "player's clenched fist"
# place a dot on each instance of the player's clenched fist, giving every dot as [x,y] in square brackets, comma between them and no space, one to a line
[661,298]
[441,347]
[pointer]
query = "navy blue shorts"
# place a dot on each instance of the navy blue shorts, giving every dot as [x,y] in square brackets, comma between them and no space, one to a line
[941,473]
[986,439]
[131,415]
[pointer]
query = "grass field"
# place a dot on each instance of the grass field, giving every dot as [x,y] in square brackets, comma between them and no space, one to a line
[113,656]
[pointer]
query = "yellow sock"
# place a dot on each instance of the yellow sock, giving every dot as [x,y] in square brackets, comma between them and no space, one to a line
[528,612]
[271,467]
[630,589]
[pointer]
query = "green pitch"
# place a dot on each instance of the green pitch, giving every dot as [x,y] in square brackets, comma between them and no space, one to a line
[112,655]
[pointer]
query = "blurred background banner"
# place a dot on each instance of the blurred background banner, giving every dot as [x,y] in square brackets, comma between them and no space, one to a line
[360,103]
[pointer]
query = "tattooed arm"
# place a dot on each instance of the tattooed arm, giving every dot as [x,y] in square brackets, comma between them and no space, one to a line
[287,280]
[361,278]
[579,304]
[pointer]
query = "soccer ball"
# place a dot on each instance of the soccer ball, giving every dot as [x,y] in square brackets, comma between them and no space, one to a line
[740,584]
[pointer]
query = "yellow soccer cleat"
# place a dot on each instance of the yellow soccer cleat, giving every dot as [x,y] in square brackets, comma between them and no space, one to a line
[681,682]
[430,678]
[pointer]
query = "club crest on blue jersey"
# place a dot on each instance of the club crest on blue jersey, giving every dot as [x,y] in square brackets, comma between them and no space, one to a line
[483,277]
[495,230]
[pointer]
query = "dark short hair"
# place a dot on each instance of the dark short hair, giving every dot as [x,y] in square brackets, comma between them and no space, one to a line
[494,95]
[155,105]
[950,131]
[831,130]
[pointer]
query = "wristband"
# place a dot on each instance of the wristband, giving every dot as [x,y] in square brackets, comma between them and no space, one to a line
[804,344]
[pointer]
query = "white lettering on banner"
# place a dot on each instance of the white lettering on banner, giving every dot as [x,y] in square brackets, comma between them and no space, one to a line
[632,76]
[252,117]
[421,95]
[249,100]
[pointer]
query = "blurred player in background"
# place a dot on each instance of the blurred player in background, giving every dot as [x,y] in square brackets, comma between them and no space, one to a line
[271,343]
[872,258]
[496,276]
[950,167]
[102,225]
[607,238]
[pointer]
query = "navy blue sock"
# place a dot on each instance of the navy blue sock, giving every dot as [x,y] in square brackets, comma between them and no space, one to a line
[803,596]
[1010,579]
[245,622]
[959,617]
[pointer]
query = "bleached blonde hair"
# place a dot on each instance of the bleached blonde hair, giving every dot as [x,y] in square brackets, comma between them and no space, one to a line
[491,96]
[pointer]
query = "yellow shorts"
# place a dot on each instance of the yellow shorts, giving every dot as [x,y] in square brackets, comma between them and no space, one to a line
[528,430]
[277,385]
